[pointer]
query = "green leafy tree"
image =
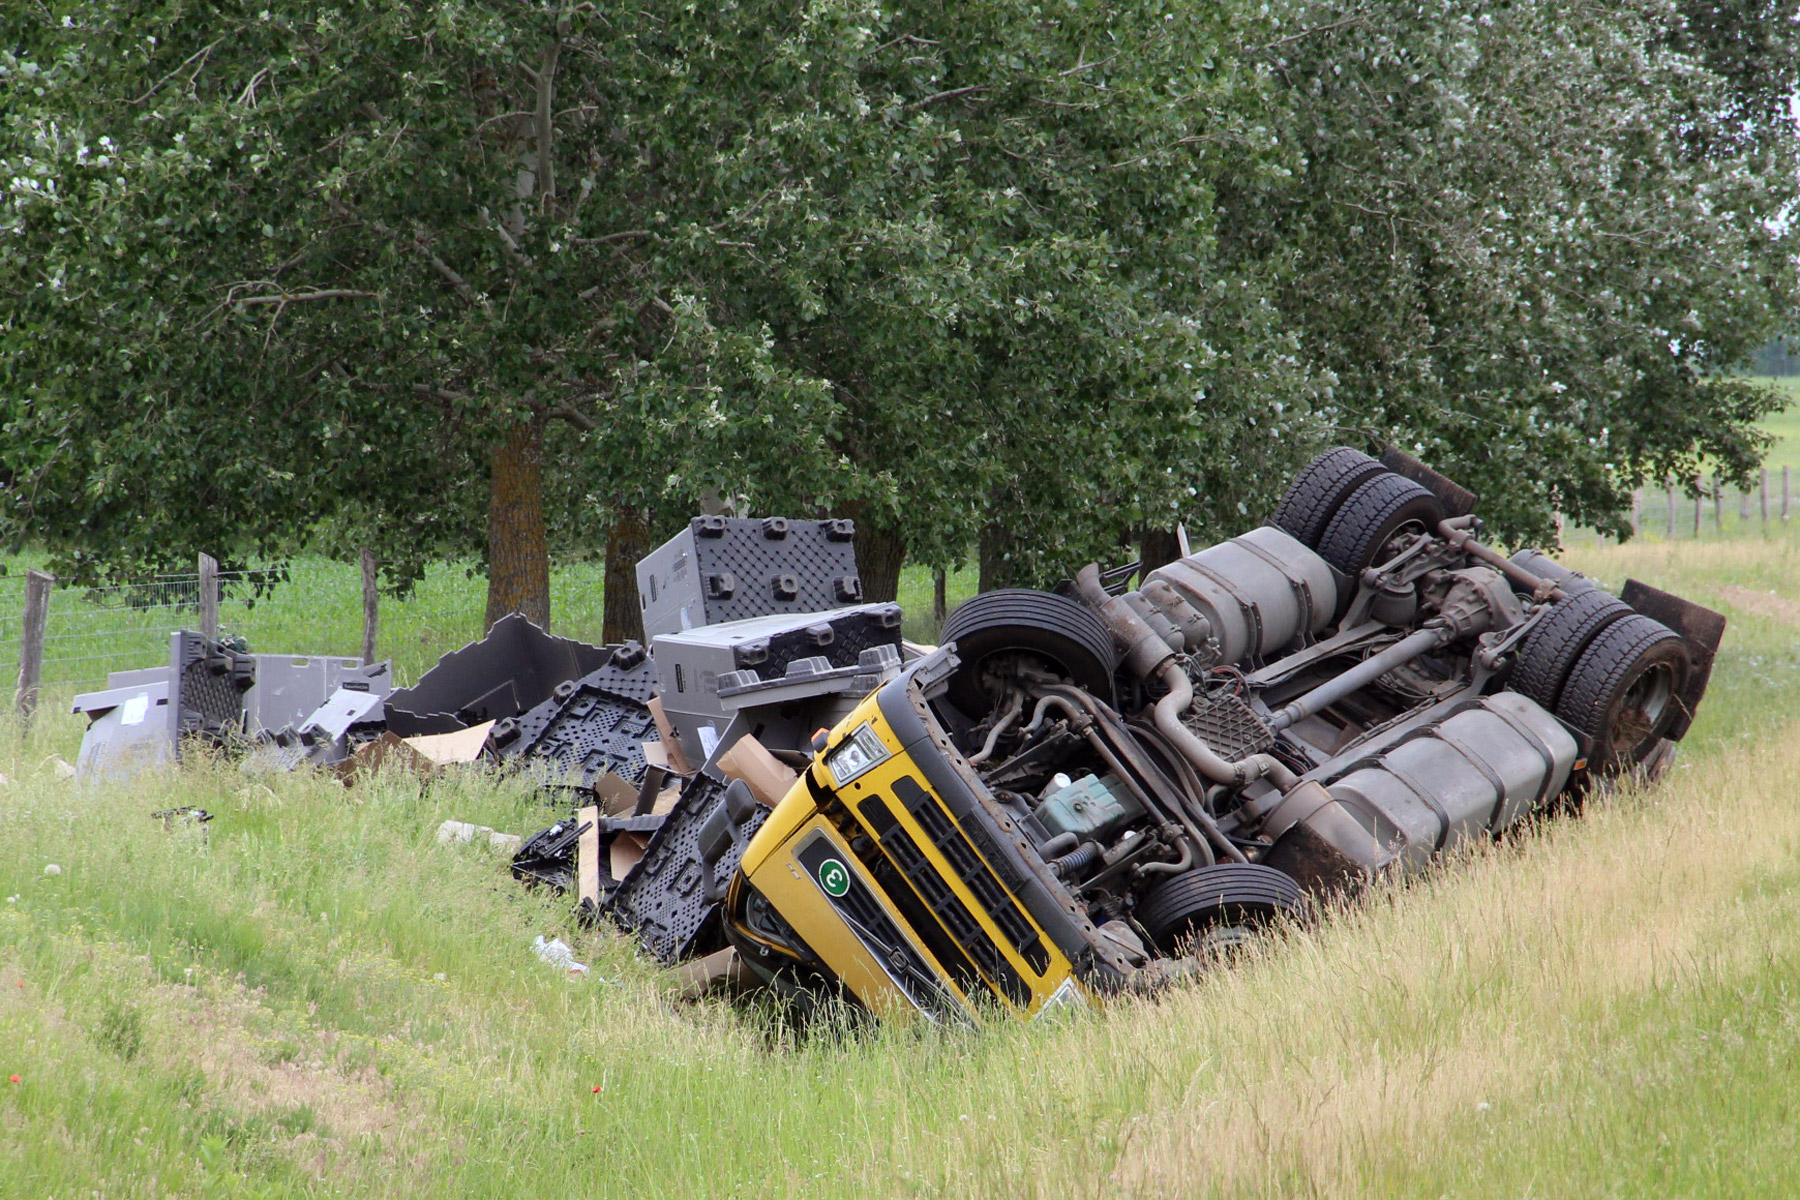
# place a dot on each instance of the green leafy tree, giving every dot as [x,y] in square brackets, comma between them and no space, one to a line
[464,277]
[1534,241]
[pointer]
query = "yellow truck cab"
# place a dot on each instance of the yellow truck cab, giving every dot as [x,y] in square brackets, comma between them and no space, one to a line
[914,887]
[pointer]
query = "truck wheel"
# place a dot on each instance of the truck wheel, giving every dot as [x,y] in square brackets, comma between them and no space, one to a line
[1319,489]
[1625,691]
[1381,506]
[1054,628]
[1235,896]
[1550,650]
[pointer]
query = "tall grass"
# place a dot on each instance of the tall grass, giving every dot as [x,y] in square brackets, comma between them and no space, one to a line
[311,997]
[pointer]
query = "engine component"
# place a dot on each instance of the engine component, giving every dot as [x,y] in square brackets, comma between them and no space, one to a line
[1228,725]
[1093,806]
[1257,593]
[1473,772]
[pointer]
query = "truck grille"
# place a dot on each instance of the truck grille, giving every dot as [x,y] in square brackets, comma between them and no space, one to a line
[973,872]
[869,921]
[962,926]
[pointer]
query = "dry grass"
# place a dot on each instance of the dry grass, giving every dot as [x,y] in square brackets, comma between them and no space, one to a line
[320,1000]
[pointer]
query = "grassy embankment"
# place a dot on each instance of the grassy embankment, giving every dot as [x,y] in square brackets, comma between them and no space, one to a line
[317,999]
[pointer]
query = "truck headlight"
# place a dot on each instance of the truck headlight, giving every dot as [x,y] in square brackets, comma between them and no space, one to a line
[855,754]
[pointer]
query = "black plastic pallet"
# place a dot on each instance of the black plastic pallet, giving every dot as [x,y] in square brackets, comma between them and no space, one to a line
[663,901]
[589,726]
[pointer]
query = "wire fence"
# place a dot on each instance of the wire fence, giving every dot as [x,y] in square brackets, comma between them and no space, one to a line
[305,607]
[1707,508]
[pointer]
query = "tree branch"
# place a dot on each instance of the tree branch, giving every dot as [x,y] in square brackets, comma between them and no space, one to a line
[952,94]
[507,242]
[444,394]
[300,297]
[575,417]
[200,54]
[1352,19]
[546,113]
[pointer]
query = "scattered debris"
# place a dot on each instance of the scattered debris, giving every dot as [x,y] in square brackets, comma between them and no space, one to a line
[722,569]
[558,954]
[511,670]
[548,856]
[463,831]
[183,815]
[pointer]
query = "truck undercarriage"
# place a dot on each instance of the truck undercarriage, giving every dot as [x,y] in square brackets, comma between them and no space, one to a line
[1084,792]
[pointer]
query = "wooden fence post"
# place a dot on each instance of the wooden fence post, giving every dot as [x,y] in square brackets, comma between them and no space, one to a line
[1699,501]
[371,605]
[1637,509]
[1743,506]
[940,600]
[31,646]
[1718,498]
[1762,494]
[1669,517]
[209,597]
[1785,472]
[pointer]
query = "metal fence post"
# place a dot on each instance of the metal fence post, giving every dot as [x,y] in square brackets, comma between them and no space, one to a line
[31,646]
[371,605]
[209,597]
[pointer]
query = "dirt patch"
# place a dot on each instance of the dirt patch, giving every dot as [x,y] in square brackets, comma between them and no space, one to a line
[1763,604]
[221,1027]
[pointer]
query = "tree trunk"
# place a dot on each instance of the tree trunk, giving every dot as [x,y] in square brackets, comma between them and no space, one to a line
[879,556]
[518,550]
[627,541]
[996,567]
[1156,548]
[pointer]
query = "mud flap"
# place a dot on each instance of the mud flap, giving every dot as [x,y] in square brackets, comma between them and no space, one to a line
[1458,501]
[1701,627]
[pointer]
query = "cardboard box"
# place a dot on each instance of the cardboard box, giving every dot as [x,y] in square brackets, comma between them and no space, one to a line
[768,777]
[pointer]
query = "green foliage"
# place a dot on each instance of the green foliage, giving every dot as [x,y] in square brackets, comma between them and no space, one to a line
[284,274]
[1508,254]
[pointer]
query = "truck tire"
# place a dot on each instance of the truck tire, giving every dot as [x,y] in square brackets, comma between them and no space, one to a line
[1055,628]
[1550,650]
[1228,895]
[1317,491]
[1625,691]
[1380,507]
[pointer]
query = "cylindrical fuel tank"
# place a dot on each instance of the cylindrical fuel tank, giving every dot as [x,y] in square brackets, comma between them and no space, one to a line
[1476,771]
[1257,592]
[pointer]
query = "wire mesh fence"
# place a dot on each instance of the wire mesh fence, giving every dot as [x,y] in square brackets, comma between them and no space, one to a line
[1706,507]
[309,607]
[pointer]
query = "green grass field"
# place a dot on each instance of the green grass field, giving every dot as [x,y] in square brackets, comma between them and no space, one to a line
[314,998]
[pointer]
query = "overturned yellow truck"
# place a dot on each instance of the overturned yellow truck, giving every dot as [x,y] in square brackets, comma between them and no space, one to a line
[1084,793]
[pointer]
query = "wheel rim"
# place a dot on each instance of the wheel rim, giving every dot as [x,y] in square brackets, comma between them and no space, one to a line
[1641,710]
